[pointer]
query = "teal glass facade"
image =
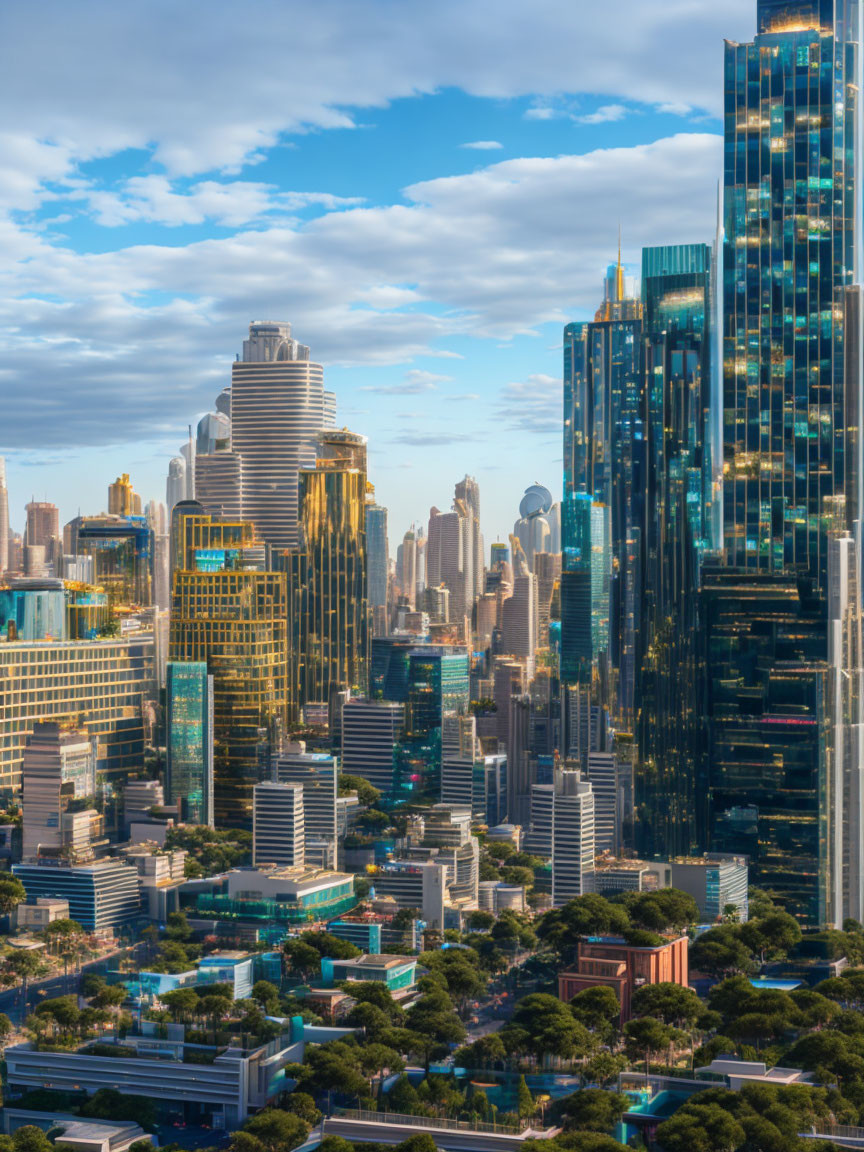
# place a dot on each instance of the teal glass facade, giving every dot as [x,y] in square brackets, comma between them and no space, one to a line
[604,461]
[189,712]
[790,217]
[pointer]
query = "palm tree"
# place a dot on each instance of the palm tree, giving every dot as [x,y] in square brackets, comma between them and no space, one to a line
[22,965]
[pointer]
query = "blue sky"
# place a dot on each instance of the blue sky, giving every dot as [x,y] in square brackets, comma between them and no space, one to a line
[426,192]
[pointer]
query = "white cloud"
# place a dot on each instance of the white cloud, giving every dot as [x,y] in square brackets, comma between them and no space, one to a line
[483,145]
[415,381]
[211,85]
[607,114]
[532,405]
[99,345]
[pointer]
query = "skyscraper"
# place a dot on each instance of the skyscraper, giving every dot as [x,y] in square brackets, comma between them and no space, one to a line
[175,486]
[230,615]
[378,553]
[278,825]
[328,585]
[278,407]
[189,713]
[123,500]
[603,464]
[791,249]
[677,293]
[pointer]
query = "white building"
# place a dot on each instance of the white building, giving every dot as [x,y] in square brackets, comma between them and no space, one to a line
[278,824]
[572,838]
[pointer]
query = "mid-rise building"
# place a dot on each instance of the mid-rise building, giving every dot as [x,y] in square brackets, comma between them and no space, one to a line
[419,885]
[102,895]
[370,732]
[278,825]
[572,837]
[105,684]
[58,770]
[317,775]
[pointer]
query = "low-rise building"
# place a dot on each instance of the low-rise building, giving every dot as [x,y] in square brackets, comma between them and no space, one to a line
[73,1132]
[39,912]
[623,967]
[221,1086]
[288,895]
[396,972]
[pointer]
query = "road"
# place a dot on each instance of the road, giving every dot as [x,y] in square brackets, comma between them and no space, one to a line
[51,986]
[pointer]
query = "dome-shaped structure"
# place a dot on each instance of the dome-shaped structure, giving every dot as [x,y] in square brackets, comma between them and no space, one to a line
[536,501]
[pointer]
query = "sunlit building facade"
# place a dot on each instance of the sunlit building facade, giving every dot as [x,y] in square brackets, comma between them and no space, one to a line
[189,715]
[227,613]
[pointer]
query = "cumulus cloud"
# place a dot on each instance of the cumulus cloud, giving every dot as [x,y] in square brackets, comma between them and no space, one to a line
[532,405]
[607,114]
[207,85]
[96,342]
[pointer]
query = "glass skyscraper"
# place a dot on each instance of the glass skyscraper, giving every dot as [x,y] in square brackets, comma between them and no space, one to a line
[790,248]
[189,715]
[677,295]
[603,461]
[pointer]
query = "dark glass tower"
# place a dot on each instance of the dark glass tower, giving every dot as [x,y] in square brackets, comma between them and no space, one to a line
[677,295]
[791,150]
[603,498]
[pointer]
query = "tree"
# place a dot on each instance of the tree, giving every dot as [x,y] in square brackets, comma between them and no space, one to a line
[278,1131]
[525,1105]
[331,1144]
[597,1008]
[603,1068]
[708,1129]
[549,1026]
[658,911]
[720,952]
[645,1037]
[23,965]
[591,1110]
[402,1096]
[422,1142]
[481,920]
[266,994]
[12,893]
[110,996]
[668,1002]
[771,936]
[366,793]
[183,1004]
[589,915]
[5,1029]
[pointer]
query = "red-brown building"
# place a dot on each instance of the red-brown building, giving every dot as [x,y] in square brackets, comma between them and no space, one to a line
[610,960]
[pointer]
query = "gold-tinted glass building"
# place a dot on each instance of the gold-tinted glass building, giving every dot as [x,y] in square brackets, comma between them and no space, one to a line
[328,574]
[103,685]
[231,615]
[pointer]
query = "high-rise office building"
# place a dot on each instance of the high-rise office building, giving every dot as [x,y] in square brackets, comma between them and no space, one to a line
[42,531]
[454,550]
[175,485]
[278,407]
[603,503]
[123,500]
[58,769]
[106,684]
[538,528]
[572,837]
[219,483]
[278,825]
[791,248]
[189,715]
[519,620]
[122,551]
[378,555]
[677,293]
[227,613]
[317,775]
[370,732]
[327,575]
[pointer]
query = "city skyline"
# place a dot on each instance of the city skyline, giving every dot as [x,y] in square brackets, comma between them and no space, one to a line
[145,255]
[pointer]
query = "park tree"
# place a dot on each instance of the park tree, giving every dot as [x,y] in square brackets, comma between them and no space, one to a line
[549,1027]
[668,1002]
[598,1009]
[12,893]
[278,1130]
[525,1105]
[591,1109]
[647,1037]
[772,936]
[23,965]
[721,952]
